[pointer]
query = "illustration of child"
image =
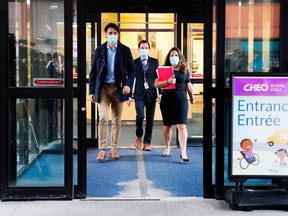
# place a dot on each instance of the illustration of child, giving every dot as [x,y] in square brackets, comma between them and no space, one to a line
[282,154]
[247,145]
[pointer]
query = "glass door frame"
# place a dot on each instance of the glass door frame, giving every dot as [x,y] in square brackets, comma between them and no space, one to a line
[183,19]
[8,93]
[79,93]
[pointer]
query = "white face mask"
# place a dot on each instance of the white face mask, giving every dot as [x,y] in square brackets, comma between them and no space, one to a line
[112,39]
[174,60]
[144,53]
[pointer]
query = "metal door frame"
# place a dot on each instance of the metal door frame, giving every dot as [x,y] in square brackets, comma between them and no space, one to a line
[79,93]
[184,18]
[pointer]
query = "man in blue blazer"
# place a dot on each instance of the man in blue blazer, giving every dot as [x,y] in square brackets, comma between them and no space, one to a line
[110,83]
[145,94]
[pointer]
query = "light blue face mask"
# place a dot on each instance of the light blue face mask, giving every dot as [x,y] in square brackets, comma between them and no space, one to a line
[144,53]
[112,38]
[174,60]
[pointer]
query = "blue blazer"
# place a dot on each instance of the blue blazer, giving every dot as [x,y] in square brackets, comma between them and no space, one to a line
[124,70]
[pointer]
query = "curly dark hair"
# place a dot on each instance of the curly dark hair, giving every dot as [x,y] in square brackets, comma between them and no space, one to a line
[182,62]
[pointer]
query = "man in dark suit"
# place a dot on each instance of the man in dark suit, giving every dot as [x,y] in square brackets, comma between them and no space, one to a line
[110,82]
[145,94]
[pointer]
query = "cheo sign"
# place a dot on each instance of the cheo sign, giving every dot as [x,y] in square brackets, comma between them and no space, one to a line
[256,87]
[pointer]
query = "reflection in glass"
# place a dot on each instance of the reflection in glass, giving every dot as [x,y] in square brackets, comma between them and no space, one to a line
[75,46]
[195,47]
[213,141]
[39,43]
[91,44]
[36,142]
[195,120]
[75,141]
[252,36]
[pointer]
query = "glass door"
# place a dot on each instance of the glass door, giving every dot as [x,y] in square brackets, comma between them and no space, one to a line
[38,136]
[193,51]
[202,112]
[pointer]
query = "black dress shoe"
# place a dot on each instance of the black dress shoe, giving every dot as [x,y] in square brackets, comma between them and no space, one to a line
[184,159]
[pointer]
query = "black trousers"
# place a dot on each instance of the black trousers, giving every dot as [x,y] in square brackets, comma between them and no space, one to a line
[142,106]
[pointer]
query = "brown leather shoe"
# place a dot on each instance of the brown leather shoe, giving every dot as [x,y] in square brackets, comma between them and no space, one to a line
[101,155]
[114,155]
[138,143]
[147,147]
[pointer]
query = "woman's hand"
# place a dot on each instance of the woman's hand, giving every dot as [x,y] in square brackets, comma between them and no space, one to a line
[159,98]
[171,80]
[192,101]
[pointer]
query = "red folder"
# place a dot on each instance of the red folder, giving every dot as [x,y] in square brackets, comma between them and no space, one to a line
[164,73]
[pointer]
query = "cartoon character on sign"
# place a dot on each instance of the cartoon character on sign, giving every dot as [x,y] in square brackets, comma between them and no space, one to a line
[249,157]
[282,154]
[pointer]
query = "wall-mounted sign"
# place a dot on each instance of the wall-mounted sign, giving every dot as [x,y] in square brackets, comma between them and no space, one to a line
[259,126]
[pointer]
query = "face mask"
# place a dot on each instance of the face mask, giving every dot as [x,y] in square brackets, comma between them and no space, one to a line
[144,52]
[56,68]
[174,60]
[112,39]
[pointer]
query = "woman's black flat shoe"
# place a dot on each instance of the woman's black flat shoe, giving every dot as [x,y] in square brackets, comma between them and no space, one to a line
[184,159]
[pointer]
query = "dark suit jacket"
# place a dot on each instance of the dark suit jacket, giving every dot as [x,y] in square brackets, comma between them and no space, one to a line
[124,70]
[140,93]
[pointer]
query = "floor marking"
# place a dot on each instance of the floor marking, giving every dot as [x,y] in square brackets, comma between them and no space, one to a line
[143,182]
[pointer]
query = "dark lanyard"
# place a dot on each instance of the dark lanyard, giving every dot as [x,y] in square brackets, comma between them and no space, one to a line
[145,67]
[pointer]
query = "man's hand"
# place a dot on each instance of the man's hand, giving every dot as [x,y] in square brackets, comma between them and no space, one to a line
[92,98]
[126,90]
[128,102]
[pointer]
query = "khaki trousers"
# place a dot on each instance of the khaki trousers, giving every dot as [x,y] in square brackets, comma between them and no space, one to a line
[109,98]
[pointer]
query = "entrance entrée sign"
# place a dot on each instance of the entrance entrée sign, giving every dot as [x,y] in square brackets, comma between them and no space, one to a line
[259,140]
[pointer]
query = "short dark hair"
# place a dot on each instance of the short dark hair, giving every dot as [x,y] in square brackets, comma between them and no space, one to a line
[143,41]
[112,25]
[48,56]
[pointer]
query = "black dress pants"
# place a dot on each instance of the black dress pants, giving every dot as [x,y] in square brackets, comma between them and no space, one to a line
[141,107]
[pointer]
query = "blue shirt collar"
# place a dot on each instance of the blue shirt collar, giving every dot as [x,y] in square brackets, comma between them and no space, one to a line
[115,47]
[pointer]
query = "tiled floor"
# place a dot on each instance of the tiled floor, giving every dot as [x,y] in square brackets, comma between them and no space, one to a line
[162,207]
